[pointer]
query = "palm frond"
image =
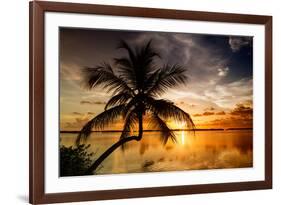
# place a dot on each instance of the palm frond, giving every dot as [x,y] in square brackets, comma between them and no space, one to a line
[153,76]
[104,76]
[127,65]
[136,68]
[118,99]
[147,54]
[167,109]
[126,70]
[100,121]
[123,62]
[166,133]
[145,64]
[168,77]
[124,45]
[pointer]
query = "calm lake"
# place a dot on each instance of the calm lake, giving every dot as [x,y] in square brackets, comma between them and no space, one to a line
[202,150]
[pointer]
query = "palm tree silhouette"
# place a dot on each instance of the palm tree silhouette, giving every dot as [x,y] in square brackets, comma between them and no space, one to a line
[137,83]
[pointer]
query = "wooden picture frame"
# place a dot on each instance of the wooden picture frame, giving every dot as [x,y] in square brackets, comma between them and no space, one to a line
[37,150]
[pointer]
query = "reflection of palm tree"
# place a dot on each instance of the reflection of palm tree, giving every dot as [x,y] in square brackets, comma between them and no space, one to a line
[136,83]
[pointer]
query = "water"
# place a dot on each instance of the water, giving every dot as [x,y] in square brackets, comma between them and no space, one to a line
[204,150]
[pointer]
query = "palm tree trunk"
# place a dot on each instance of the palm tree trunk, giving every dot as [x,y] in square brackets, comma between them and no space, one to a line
[111,149]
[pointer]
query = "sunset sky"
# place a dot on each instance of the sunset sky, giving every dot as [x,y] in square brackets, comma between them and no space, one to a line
[220,70]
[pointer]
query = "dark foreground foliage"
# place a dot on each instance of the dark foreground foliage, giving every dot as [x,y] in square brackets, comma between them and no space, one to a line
[74,161]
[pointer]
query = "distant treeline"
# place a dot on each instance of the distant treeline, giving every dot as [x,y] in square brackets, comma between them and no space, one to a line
[210,129]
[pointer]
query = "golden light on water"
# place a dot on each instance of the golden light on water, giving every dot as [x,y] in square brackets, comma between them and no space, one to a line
[182,138]
[181,135]
[208,150]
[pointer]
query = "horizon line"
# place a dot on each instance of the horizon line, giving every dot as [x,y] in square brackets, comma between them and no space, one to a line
[199,129]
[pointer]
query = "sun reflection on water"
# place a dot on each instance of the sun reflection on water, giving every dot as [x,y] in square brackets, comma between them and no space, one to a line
[181,138]
[181,135]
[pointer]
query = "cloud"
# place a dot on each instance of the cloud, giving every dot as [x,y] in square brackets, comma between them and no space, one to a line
[75,124]
[182,103]
[82,102]
[223,71]
[86,102]
[242,111]
[230,122]
[210,108]
[70,71]
[236,43]
[220,113]
[81,114]
[77,113]
[229,94]
[208,113]
[197,115]
[203,114]
[241,115]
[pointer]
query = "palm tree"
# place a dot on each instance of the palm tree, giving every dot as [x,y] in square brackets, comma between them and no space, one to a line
[137,83]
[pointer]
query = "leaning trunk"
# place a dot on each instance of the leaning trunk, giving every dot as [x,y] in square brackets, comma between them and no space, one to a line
[111,149]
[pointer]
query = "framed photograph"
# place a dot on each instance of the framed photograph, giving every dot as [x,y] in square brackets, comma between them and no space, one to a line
[139,102]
